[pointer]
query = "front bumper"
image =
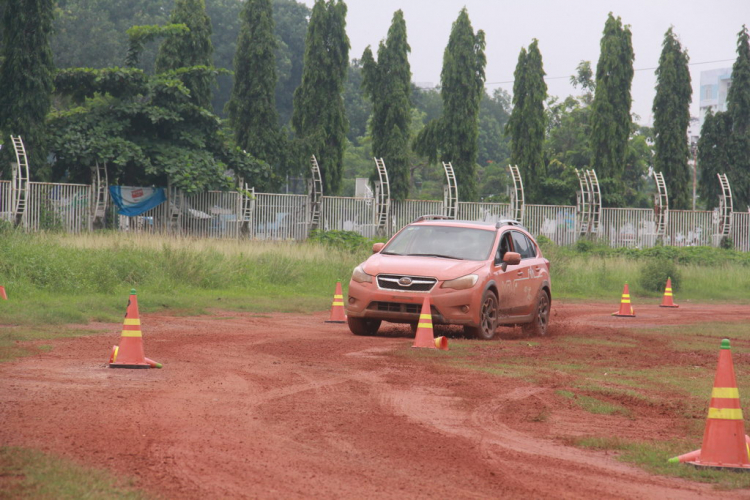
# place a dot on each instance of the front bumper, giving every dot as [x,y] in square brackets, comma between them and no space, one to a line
[453,307]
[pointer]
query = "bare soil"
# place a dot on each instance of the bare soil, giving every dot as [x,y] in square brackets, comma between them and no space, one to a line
[288,406]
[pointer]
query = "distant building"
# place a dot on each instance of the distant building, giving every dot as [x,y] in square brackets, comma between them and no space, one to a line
[714,87]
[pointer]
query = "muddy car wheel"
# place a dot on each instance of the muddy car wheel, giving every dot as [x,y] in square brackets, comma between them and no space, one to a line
[487,318]
[539,324]
[363,326]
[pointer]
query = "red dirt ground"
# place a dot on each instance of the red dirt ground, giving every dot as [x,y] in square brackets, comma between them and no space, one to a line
[287,406]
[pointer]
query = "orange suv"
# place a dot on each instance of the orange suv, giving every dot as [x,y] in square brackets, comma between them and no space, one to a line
[476,274]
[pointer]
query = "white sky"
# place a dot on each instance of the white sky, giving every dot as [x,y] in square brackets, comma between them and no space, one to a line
[568,32]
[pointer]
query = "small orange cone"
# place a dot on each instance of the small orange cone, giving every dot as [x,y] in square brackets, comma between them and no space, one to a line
[424,336]
[441,343]
[725,444]
[626,309]
[667,300]
[2,293]
[337,308]
[129,354]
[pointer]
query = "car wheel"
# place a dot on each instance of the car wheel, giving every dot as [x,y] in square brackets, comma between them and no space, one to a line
[538,325]
[487,318]
[363,326]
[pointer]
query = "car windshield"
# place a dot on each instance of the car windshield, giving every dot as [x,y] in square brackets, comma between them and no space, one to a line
[463,243]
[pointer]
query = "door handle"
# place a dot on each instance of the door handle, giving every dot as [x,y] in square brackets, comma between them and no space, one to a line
[520,273]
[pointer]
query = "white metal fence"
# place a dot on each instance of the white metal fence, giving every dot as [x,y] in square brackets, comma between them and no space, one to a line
[5,201]
[218,214]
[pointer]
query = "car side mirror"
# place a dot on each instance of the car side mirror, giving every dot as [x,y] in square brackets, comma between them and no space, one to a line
[377,247]
[512,258]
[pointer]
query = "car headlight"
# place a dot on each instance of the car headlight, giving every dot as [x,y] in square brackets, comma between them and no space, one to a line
[461,283]
[360,276]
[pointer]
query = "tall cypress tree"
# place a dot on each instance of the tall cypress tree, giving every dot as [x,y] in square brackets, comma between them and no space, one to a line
[610,110]
[453,137]
[190,49]
[252,105]
[26,75]
[319,118]
[387,83]
[738,111]
[671,120]
[712,156]
[528,121]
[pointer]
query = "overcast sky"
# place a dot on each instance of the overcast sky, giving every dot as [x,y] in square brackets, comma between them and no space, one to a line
[568,32]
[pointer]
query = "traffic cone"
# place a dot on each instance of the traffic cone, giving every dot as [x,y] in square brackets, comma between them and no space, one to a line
[424,336]
[667,300]
[2,293]
[441,343]
[337,308]
[129,354]
[151,362]
[725,444]
[626,309]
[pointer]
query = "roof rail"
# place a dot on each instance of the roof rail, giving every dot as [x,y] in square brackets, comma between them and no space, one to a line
[432,217]
[509,222]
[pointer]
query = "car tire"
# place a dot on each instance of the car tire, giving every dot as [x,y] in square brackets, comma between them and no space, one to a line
[363,326]
[539,324]
[488,316]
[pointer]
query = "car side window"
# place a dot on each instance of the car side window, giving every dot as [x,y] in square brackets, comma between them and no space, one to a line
[503,247]
[523,246]
[532,246]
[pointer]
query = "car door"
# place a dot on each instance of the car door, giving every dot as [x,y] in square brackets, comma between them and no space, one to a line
[503,276]
[526,284]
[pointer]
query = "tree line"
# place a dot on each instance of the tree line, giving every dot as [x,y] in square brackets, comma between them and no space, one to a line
[158,93]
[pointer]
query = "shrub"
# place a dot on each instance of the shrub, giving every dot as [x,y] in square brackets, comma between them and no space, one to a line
[655,272]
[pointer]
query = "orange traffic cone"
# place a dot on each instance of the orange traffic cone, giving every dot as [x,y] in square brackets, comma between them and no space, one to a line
[667,300]
[424,336]
[725,444]
[129,354]
[151,362]
[2,293]
[625,308]
[337,308]
[441,343]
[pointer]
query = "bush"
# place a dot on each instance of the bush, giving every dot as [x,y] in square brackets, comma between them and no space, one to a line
[654,275]
[343,240]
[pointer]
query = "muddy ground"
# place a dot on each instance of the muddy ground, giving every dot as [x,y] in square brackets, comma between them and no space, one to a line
[288,406]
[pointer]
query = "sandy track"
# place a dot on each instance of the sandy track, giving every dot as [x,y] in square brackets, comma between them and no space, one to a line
[287,406]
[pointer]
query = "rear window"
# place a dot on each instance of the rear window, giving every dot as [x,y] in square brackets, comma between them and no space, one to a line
[463,243]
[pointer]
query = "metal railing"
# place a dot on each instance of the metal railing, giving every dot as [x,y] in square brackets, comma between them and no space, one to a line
[221,214]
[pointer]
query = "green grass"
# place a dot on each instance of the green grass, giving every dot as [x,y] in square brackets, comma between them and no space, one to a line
[652,456]
[31,474]
[593,405]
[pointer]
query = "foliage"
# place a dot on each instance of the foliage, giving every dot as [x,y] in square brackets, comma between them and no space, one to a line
[738,109]
[291,26]
[139,36]
[319,117]
[527,121]
[655,272]
[145,128]
[387,82]
[251,108]
[492,146]
[26,74]
[193,48]
[453,137]
[358,107]
[348,241]
[610,110]
[671,120]
[713,157]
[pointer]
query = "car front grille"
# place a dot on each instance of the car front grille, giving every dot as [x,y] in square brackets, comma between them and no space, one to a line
[396,307]
[405,283]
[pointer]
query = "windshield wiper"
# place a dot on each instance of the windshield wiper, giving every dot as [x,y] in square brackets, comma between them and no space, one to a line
[390,253]
[435,255]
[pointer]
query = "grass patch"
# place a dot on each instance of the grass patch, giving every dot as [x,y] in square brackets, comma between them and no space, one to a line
[19,341]
[27,473]
[653,457]
[593,405]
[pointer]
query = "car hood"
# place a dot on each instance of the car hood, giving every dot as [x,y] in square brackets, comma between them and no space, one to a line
[438,267]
